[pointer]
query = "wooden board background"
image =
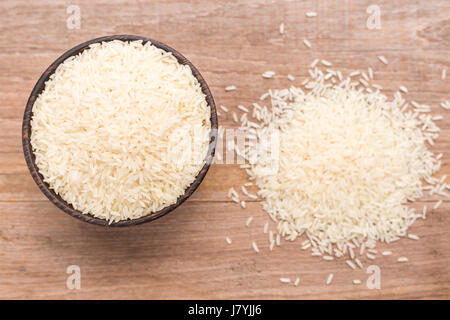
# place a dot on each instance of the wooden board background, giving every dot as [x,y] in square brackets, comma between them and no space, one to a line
[184,255]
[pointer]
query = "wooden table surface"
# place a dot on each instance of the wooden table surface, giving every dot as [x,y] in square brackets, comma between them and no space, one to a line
[184,254]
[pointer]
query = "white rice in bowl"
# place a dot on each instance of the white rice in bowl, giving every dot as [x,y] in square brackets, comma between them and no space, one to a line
[120,130]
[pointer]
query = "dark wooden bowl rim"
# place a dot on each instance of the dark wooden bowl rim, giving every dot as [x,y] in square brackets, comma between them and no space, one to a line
[56,199]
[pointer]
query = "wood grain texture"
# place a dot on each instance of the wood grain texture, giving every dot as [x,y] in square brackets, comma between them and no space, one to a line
[184,255]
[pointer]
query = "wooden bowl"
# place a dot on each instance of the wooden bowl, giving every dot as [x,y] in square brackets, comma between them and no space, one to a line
[56,199]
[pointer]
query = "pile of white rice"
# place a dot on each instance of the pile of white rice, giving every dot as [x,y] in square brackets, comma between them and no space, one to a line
[338,162]
[121,130]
